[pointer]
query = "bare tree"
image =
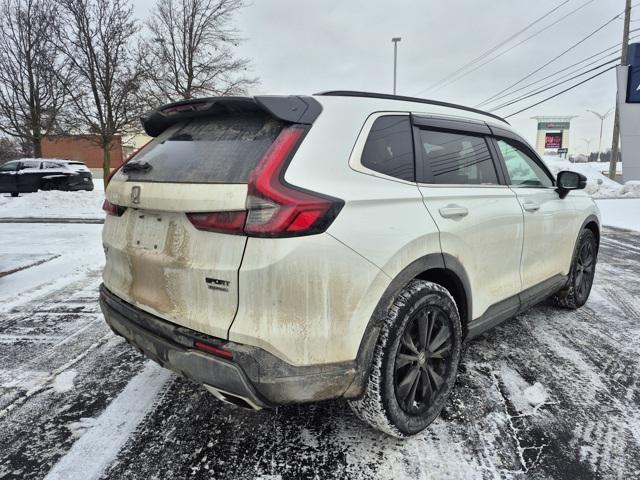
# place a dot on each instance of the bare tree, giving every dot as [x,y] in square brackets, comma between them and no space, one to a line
[98,39]
[189,51]
[32,74]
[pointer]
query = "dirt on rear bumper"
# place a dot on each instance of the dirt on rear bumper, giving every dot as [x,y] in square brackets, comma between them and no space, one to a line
[255,376]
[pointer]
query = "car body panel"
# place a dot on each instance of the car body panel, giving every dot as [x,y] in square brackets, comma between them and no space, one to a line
[159,262]
[487,241]
[307,300]
[547,249]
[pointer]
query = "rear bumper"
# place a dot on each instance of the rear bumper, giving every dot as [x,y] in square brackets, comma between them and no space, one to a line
[253,379]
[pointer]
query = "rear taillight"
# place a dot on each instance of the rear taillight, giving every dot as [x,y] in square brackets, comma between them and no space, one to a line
[223,222]
[275,208]
[111,209]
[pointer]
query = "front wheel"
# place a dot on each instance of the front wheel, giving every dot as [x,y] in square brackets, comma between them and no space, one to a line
[414,363]
[583,269]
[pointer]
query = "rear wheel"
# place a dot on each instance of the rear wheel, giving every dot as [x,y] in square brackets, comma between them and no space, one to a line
[14,194]
[415,361]
[582,272]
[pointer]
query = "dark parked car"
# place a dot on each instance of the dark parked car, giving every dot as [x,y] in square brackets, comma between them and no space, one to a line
[24,176]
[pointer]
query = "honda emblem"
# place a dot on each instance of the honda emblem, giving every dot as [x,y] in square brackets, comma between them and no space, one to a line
[135,195]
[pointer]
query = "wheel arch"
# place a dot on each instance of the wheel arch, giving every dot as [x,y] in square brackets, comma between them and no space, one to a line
[592,223]
[443,269]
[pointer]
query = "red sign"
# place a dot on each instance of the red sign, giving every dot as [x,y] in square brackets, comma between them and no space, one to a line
[553,140]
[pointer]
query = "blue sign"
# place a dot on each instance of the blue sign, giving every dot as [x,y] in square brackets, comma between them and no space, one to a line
[633,84]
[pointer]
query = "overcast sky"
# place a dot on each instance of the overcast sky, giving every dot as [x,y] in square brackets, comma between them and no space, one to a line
[308,46]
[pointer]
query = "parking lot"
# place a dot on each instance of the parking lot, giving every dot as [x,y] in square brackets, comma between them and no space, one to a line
[550,394]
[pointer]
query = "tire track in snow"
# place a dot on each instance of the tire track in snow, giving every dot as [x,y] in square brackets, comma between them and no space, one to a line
[101,442]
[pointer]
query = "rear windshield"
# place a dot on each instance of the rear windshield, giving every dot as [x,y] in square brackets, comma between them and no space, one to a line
[221,149]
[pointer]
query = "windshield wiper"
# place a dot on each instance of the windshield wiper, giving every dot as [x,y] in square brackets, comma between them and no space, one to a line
[137,167]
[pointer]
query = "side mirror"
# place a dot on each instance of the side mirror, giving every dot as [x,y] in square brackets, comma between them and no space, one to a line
[568,181]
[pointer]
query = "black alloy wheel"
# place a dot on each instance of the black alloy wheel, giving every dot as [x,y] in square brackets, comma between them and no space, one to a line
[422,360]
[585,269]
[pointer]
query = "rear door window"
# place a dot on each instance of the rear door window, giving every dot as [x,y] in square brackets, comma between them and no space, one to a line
[452,158]
[389,148]
[222,149]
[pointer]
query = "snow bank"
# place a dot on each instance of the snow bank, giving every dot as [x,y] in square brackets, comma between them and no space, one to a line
[598,185]
[620,213]
[54,204]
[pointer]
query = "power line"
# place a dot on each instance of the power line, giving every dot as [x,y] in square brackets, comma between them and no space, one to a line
[533,93]
[563,91]
[496,47]
[553,59]
[562,77]
[491,59]
[614,52]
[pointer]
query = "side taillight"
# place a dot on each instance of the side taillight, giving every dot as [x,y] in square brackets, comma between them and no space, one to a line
[112,209]
[275,208]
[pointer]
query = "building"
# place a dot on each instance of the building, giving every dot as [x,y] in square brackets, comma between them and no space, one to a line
[553,134]
[85,148]
[132,143]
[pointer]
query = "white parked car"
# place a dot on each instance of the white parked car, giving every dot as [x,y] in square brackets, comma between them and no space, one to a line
[287,249]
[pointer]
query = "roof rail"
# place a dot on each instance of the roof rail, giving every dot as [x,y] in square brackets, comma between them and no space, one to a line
[386,96]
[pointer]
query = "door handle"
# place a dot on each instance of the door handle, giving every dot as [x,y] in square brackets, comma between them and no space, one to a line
[453,211]
[531,206]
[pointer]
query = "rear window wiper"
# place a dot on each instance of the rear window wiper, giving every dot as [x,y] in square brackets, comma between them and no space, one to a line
[137,167]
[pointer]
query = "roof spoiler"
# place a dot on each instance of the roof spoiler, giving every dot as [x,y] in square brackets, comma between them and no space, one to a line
[288,108]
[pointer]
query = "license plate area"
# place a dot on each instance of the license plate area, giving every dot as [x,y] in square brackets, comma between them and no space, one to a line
[149,231]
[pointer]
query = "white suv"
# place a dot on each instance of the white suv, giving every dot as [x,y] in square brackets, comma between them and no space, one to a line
[287,249]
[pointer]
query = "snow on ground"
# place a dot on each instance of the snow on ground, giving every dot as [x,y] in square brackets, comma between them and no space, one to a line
[54,204]
[551,394]
[620,213]
[69,251]
[598,184]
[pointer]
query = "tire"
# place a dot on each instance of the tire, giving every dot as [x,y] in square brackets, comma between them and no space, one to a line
[15,194]
[583,269]
[402,366]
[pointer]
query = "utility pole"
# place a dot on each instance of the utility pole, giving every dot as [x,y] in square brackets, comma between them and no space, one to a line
[615,143]
[602,117]
[395,41]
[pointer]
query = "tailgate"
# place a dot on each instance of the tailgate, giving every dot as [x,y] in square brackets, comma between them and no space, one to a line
[156,258]
[158,261]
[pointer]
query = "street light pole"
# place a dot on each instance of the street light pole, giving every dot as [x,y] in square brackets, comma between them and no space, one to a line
[602,118]
[395,41]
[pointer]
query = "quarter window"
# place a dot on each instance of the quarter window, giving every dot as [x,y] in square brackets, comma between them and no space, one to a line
[457,159]
[522,169]
[389,147]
